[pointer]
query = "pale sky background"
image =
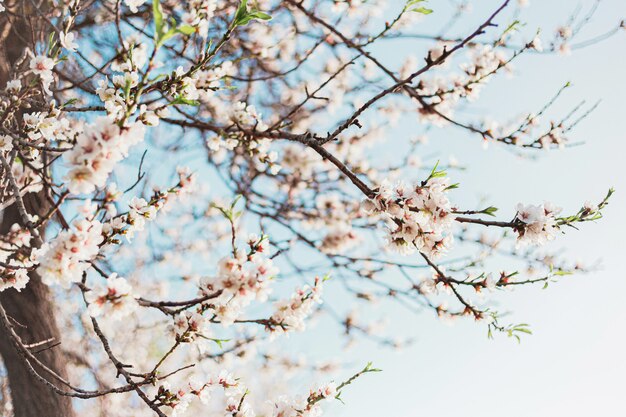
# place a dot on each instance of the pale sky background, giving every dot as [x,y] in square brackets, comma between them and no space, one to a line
[574,363]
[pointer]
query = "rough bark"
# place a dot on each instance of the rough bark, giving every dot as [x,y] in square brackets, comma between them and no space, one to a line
[33,310]
[33,307]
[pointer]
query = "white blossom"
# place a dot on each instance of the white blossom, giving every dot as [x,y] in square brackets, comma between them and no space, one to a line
[539,223]
[68,41]
[113,301]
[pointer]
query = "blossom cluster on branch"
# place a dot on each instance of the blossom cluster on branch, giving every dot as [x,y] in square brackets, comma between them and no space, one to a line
[420,216]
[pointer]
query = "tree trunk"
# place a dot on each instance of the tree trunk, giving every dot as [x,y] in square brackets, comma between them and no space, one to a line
[33,307]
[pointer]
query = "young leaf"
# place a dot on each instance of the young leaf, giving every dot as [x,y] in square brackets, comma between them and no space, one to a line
[242,10]
[70,102]
[260,15]
[413,6]
[158,19]
[182,100]
[490,211]
[243,16]
[186,30]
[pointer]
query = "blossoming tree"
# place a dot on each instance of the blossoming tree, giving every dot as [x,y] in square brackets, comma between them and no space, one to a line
[171,171]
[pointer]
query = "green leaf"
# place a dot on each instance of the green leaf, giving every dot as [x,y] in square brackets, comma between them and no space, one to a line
[157,77]
[158,19]
[235,201]
[70,102]
[436,174]
[219,342]
[160,35]
[165,36]
[434,168]
[413,6]
[260,15]
[186,30]
[51,41]
[243,16]
[490,211]
[370,368]
[242,10]
[182,100]
[512,27]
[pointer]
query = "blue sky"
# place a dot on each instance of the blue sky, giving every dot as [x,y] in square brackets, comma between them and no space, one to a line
[573,363]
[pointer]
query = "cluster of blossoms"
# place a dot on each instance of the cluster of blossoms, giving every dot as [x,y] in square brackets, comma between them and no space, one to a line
[42,66]
[436,284]
[140,210]
[199,14]
[339,239]
[484,60]
[564,35]
[304,406]
[418,217]
[219,147]
[271,43]
[295,407]
[98,148]
[134,5]
[444,93]
[6,143]
[325,391]
[299,163]
[188,325]
[118,100]
[14,248]
[199,87]
[259,149]
[241,280]
[111,96]
[555,137]
[246,115]
[26,178]
[113,301]
[177,400]
[184,86]
[205,82]
[64,259]
[47,126]
[538,223]
[336,216]
[290,315]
